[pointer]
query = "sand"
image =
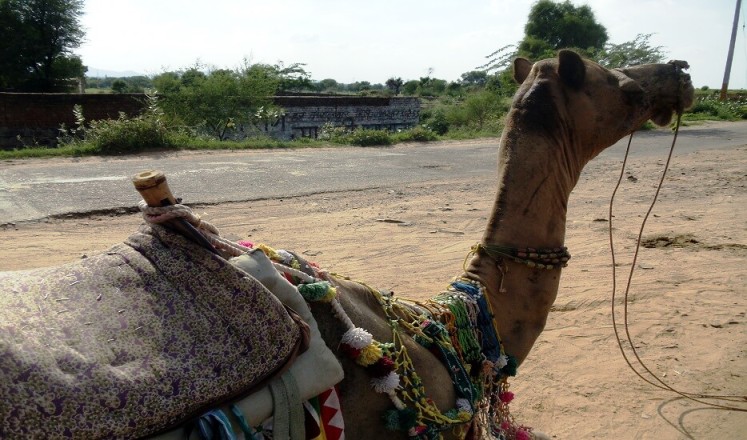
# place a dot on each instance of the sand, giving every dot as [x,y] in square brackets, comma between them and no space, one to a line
[687,302]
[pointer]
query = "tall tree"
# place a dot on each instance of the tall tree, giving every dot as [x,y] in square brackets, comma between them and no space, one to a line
[552,26]
[394,84]
[36,42]
[474,78]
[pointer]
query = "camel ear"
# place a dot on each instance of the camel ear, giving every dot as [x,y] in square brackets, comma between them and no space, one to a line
[522,66]
[571,68]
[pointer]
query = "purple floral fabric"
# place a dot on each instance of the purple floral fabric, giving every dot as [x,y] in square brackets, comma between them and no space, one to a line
[133,341]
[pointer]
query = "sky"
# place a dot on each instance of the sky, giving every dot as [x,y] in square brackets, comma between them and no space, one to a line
[372,41]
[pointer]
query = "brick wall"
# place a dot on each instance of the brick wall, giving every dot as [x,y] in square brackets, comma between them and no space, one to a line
[36,117]
[29,119]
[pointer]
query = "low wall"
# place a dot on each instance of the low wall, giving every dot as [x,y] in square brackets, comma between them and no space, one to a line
[305,116]
[28,119]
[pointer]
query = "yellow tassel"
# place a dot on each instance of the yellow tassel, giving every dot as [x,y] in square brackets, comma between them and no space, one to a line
[369,355]
[330,295]
[270,252]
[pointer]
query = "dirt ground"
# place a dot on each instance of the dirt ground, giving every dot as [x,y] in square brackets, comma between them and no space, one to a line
[688,297]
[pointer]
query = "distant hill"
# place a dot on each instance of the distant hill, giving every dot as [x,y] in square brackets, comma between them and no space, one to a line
[95,72]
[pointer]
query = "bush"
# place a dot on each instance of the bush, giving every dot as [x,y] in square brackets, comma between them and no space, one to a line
[361,137]
[709,107]
[367,138]
[333,133]
[122,135]
[437,121]
[416,134]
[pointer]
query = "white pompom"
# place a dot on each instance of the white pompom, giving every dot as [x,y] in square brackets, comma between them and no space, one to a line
[386,384]
[357,338]
[501,362]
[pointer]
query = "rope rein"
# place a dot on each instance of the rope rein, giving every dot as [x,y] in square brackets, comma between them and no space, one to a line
[696,397]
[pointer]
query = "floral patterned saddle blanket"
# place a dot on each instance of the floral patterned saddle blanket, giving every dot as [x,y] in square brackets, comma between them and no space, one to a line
[143,337]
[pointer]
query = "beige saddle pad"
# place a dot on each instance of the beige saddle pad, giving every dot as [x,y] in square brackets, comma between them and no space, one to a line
[136,340]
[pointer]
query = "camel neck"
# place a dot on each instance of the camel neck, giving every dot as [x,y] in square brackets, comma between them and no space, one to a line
[534,184]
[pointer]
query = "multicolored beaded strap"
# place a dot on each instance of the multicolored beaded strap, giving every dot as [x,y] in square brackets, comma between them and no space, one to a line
[495,366]
[389,365]
[547,258]
[459,318]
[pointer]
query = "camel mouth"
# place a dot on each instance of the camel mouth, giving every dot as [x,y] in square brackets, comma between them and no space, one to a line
[678,102]
[688,93]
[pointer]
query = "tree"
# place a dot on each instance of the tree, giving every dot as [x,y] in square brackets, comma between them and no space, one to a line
[552,26]
[359,86]
[292,78]
[411,87]
[475,78]
[119,86]
[394,84]
[36,42]
[631,53]
[481,106]
[218,101]
[327,85]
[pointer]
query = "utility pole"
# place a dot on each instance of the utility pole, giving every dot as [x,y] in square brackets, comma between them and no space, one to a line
[729,57]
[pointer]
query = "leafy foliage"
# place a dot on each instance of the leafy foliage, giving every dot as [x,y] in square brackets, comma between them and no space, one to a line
[415,134]
[359,136]
[37,38]
[631,53]
[216,102]
[122,135]
[474,78]
[710,107]
[436,120]
[552,26]
[394,85]
[291,78]
[119,86]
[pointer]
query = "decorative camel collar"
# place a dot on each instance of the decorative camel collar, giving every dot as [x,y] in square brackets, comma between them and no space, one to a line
[541,258]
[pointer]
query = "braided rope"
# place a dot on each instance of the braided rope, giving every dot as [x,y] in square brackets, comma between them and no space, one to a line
[165,214]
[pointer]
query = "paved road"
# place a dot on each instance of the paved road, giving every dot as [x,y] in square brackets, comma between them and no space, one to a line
[35,189]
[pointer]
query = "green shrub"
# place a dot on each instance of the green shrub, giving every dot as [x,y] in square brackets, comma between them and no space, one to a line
[416,134]
[437,121]
[334,133]
[128,135]
[366,138]
[122,135]
[710,107]
[361,137]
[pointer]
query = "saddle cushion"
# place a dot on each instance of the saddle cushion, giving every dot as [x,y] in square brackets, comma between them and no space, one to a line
[317,369]
[135,340]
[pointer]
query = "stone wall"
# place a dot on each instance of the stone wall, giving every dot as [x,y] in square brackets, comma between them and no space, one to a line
[29,119]
[304,116]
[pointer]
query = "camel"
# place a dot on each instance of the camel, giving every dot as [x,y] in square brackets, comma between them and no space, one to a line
[565,112]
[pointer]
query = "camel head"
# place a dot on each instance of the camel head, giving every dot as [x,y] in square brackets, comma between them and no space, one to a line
[586,107]
[566,111]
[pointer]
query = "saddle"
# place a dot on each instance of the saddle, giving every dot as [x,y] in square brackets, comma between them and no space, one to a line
[136,340]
